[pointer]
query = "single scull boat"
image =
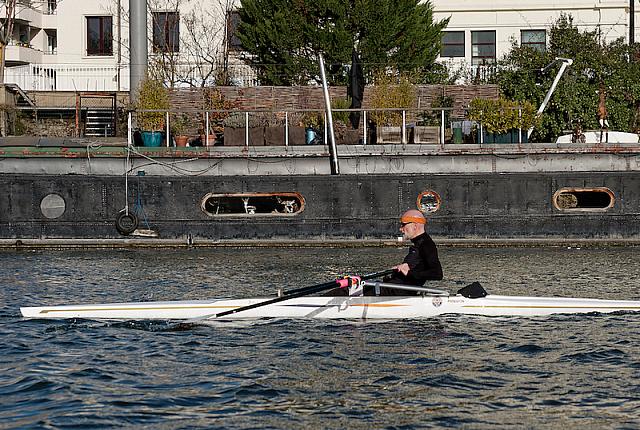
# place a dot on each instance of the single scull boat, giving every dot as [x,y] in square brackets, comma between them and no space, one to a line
[429,303]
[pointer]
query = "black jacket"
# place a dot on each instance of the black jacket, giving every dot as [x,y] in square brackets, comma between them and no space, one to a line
[423,263]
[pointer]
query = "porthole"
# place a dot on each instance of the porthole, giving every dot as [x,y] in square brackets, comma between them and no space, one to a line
[584,199]
[253,204]
[52,206]
[428,201]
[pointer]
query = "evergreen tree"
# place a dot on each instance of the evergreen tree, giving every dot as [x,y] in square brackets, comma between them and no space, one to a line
[284,37]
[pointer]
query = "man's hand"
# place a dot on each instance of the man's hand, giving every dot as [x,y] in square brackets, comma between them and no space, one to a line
[402,268]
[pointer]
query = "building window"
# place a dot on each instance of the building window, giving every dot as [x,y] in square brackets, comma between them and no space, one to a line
[452,44]
[166,32]
[52,7]
[536,39]
[483,47]
[233,21]
[99,35]
[52,41]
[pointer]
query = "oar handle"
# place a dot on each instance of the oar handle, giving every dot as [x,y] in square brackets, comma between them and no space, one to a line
[298,293]
[363,277]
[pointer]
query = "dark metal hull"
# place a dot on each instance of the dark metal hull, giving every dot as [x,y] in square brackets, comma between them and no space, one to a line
[361,207]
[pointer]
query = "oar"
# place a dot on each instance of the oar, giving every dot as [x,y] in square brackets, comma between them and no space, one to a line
[299,292]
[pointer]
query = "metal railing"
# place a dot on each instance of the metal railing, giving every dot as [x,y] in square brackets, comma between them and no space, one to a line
[401,126]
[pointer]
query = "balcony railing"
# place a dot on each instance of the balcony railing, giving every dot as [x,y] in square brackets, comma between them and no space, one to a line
[76,77]
[68,77]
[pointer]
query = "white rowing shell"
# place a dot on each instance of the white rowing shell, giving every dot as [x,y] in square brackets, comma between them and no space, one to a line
[370,307]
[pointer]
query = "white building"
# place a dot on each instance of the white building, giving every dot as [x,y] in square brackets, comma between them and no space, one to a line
[83,44]
[479,32]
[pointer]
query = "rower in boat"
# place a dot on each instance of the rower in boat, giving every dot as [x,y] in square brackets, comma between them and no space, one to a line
[420,265]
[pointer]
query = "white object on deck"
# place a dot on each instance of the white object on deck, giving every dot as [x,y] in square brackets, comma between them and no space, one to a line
[607,137]
[369,307]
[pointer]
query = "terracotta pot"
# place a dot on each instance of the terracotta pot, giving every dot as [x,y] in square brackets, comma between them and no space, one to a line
[212,139]
[181,140]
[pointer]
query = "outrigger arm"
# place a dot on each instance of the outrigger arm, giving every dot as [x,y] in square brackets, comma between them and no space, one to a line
[426,291]
[566,62]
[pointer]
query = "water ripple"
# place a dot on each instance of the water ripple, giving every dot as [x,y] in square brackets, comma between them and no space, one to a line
[574,371]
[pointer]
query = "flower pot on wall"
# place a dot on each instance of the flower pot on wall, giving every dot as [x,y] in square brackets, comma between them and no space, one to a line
[181,140]
[152,138]
[425,134]
[389,134]
[235,136]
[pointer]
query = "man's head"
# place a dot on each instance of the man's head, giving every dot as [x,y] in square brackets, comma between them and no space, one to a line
[412,223]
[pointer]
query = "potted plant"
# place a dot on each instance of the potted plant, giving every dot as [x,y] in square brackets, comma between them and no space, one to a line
[235,126]
[502,119]
[152,95]
[389,95]
[427,128]
[313,122]
[218,109]
[345,135]
[179,127]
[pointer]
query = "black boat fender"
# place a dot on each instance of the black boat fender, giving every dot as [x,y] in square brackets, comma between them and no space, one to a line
[126,222]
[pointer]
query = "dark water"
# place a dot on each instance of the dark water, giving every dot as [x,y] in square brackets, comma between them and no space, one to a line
[470,372]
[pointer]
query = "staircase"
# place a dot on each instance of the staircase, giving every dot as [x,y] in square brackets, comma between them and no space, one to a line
[100,123]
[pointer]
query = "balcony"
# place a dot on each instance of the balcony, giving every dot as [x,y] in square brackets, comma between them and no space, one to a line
[67,77]
[20,53]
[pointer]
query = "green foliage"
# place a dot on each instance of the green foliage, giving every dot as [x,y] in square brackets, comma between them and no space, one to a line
[433,117]
[391,92]
[180,123]
[216,104]
[500,116]
[615,64]
[284,38]
[152,95]
[341,103]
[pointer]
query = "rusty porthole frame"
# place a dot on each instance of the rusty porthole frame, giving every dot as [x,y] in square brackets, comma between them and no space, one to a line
[558,193]
[432,193]
[296,195]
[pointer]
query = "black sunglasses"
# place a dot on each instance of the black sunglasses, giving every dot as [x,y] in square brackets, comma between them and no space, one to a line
[402,224]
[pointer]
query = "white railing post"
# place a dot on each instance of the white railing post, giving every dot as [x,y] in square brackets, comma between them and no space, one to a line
[286,128]
[442,127]
[168,136]
[129,129]
[246,129]
[364,127]
[206,131]
[404,127]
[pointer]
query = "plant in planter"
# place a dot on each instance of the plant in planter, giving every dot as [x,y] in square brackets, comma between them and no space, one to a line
[179,126]
[313,123]
[218,108]
[501,119]
[427,128]
[235,128]
[390,92]
[152,95]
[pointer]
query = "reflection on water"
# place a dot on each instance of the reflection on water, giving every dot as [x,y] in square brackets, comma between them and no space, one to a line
[452,371]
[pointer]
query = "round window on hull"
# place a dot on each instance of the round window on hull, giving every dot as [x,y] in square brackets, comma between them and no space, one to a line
[597,199]
[253,204]
[52,206]
[428,202]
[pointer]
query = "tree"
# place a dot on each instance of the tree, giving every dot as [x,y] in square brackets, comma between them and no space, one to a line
[284,37]
[6,32]
[614,65]
[198,56]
